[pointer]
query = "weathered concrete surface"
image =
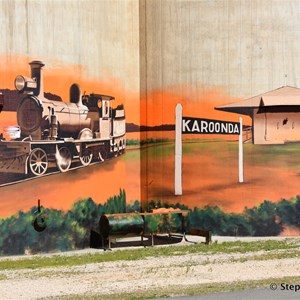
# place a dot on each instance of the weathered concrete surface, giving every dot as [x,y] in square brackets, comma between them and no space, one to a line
[247,47]
[101,35]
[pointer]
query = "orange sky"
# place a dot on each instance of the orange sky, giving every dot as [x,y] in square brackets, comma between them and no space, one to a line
[159,106]
[57,80]
[154,109]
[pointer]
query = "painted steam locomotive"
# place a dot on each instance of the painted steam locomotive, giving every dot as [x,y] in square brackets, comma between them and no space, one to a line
[53,133]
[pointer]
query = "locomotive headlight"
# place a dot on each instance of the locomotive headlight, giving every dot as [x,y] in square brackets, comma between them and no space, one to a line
[23,83]
[20,83]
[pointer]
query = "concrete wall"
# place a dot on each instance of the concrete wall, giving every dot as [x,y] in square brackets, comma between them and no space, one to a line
[239,48]
[247,47]
[244,47]
[100,35]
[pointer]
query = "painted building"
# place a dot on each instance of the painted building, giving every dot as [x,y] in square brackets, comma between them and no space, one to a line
[275,115]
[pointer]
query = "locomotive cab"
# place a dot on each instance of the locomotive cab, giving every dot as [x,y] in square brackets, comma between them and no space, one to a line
[101,104]
[112,125]
[105,116]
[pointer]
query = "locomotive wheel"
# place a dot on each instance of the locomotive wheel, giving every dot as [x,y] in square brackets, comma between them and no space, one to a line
[63,159]
[116,152]
[86,157]
[121,149]
[38,161]
[102,154]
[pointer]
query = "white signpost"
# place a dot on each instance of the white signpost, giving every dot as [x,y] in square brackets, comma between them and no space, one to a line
[241,153]
[178,150]
[189,125]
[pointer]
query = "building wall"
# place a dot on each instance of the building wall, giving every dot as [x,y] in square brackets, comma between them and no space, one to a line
[276,128]
[258,127]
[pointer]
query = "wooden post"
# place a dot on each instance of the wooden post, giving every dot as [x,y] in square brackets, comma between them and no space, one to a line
[178,150]
[241,154]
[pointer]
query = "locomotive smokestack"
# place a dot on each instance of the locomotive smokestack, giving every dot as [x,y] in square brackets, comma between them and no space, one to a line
[75,94]
[37,73]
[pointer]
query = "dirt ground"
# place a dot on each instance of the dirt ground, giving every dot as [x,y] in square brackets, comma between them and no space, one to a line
[209,174]
[110,278]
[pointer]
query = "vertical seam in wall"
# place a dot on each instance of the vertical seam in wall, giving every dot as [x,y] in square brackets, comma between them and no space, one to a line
[143,77]
[162,81]
[146,95]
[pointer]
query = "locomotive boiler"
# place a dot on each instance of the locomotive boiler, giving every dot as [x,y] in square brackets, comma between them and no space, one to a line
[34,111]
[55,133]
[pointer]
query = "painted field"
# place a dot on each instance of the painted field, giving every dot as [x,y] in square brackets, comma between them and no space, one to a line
[62,190]
[210,174]
[210,177]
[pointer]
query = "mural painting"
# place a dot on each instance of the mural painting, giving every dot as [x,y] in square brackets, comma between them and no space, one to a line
[87,121]
[50,130]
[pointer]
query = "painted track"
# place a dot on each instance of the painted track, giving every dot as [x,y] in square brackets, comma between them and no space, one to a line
[24,178]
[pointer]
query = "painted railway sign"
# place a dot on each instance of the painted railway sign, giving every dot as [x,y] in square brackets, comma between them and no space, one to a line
[207,126]
[189,125]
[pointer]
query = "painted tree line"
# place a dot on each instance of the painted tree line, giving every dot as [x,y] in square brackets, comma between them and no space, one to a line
[65,230]
[71,229]
[266,219]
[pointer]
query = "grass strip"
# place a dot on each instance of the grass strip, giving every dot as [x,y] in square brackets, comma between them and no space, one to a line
[59,260]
